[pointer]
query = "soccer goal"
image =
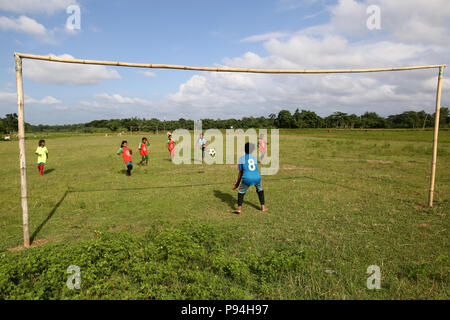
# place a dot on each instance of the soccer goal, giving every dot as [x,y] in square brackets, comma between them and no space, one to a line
[21,124]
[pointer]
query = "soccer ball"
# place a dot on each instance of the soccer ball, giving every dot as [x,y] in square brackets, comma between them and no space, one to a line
[212,152]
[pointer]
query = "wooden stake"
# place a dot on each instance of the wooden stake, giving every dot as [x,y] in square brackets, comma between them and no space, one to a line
[435,139]
[23,166]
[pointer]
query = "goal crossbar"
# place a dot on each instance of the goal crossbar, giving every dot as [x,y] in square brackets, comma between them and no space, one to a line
[21,123]
[216,69]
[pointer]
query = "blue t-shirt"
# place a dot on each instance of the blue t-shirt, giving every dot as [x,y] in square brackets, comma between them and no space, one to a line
[249,164]
[202,142]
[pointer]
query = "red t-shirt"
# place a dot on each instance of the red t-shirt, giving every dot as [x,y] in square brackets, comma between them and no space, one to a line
[262,145]
[126,154]
[171,145]
[143,149]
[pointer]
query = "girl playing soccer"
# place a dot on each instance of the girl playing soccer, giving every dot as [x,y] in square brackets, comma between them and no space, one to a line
[248,176]
[126,154]
[171,147]
[144,151]
[262,144]
[42,153]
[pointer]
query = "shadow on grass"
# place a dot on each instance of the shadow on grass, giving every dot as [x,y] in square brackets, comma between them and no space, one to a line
[50,215]
[47,171]
[227,198]
[230,200]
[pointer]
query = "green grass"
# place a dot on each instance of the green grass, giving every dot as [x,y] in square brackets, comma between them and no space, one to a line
[342,201]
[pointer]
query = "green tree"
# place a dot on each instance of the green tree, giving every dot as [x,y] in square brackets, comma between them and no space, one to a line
[285,119]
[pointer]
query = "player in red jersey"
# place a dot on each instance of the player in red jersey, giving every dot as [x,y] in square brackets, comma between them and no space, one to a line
[171,147]
[262,144]
[126,154]
[144,151]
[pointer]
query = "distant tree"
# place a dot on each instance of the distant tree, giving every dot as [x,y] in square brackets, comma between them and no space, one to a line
[307,119]
[444,117]
[11,122]
[372,120]
[284,119]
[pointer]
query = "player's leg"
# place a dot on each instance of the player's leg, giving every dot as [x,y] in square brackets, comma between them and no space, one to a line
[241,193]
[129,168]
[41,171]
[260,192]
[146,160]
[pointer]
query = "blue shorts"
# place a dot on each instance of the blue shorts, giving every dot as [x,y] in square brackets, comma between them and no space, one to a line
[129,163]
[244,187]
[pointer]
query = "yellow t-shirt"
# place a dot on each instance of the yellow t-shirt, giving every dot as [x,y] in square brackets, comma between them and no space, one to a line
[42,154]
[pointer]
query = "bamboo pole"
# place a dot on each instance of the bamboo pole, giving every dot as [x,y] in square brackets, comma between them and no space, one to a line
[248,70]
[23,166]
[436,135]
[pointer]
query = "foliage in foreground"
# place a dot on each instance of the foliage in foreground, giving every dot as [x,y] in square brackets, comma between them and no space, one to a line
[183,263]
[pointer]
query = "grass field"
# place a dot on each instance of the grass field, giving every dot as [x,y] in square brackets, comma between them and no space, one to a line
[341,201]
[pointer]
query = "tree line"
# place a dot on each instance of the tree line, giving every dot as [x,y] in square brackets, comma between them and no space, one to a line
[283,120]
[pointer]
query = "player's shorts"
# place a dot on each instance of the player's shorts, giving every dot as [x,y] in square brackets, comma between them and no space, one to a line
[203,151]
[40,163]
[172,151]
[244,187]
[129,163]
[144,158]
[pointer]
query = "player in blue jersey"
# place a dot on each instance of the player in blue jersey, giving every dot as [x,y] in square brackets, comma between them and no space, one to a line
[248,176]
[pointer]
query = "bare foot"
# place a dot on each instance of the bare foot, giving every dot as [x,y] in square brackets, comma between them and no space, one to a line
[237,211]
[264,208]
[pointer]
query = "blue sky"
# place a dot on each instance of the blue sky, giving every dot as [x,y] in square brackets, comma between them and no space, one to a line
[260,34]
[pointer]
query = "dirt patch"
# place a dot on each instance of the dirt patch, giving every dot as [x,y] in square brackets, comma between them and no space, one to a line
[34,244]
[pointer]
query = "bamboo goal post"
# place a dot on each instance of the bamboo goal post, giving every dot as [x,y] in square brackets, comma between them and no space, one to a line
[20,105]
[435,137]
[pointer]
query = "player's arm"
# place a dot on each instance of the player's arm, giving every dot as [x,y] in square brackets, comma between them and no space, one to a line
[238,181]
[119,152]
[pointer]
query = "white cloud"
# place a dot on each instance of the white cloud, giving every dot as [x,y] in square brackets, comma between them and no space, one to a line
[340,43]
[118,99]
[49,100]
[22,24]
[34,6]
[8,97]
[67,73]
[265,36]
[148,74]
[11,98]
